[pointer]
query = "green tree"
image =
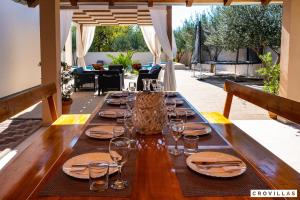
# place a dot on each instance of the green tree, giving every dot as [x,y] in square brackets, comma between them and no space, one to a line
[271,74]
[185,35]
[252,26]
[105,37]
[118,38]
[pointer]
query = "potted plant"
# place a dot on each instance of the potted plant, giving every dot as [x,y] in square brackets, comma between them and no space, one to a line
[66,88]
[136,66]
[271,75]
[122,59]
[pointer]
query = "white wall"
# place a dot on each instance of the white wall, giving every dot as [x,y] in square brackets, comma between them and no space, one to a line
[19,47]
[142,57]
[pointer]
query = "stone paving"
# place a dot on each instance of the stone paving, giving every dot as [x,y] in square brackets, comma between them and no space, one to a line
[209,96]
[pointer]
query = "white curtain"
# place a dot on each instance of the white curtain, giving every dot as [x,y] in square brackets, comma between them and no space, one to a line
[152,42]
[65,25]
[83,42]
[68,49]
[159,20]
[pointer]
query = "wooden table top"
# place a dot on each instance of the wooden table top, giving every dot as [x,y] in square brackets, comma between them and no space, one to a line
[24,176]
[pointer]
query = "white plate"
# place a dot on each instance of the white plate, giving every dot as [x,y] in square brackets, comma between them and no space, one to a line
[120,101]
[171,94]
[189,112]
[112,113]
[196,128]
[85,159]
[121,94]
[179,102]
[224,172]
[102,132]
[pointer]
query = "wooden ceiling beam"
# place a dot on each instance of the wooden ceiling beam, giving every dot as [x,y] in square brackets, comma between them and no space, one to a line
[150,3]
[73,2]
[32,3]
[69,7]
[227,2]
[189,3]
[265,2]
[111,3]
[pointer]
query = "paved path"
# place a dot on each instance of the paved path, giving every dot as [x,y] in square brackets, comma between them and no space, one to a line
[207,97]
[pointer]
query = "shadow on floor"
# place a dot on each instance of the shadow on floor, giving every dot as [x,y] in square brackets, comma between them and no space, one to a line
[15,131]
[219,80]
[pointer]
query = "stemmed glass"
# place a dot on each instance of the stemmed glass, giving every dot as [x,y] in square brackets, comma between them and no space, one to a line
[177,128]
[130,103]
[129,126]
[171,106]
[132,86]
[119,148]
[154,83]
[160,86]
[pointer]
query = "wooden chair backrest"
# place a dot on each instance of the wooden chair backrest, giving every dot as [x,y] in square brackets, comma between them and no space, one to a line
[283,107]
[15,103]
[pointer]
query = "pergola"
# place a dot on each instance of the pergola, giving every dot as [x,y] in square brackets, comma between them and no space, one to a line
[126,12]
[107,16]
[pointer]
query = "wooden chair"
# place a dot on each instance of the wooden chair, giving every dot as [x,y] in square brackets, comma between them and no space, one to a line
[283,107]
[15,103]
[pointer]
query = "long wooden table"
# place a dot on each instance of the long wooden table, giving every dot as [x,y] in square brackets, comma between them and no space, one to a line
[29,172]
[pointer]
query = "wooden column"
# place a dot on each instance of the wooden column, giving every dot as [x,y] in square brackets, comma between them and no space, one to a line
[169,23]
[50,51]
[290,51]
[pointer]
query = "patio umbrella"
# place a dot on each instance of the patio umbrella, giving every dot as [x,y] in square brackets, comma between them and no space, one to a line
[197,46]
[196,56]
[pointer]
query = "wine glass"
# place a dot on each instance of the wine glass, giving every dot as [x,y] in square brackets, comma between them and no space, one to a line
[119,149]
[130,103]
[132,86]
[160,86]
[129,126]
[177,128]
[154,83]
[171,106]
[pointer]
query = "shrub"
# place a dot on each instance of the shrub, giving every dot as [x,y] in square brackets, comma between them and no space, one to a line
[270,73]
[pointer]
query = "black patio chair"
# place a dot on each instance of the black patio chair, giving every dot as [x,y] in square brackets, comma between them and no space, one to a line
[121,69]
[143,73]
[82,77]
[109,80]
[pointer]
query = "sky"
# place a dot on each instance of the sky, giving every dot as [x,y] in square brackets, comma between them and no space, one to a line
[180,13]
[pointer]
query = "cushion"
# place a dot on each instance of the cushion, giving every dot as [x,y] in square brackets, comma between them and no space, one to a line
[155,69]
[215,118]
[79,70]
[98,66]
[89,67]
[100,62]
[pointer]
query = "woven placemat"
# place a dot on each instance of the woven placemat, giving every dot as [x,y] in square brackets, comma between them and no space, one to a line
[194,184]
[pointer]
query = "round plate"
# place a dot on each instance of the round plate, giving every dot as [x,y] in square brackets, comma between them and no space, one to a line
[196,129]
[85,159]
[189,112]
[119,101]
[179,102]
[112,113]
[102,132]
[118,95]
[223,172]
[171,94]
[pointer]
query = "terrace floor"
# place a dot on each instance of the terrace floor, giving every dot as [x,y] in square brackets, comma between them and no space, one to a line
[208,96]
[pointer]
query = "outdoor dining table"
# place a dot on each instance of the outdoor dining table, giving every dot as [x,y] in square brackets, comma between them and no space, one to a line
[151,171]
